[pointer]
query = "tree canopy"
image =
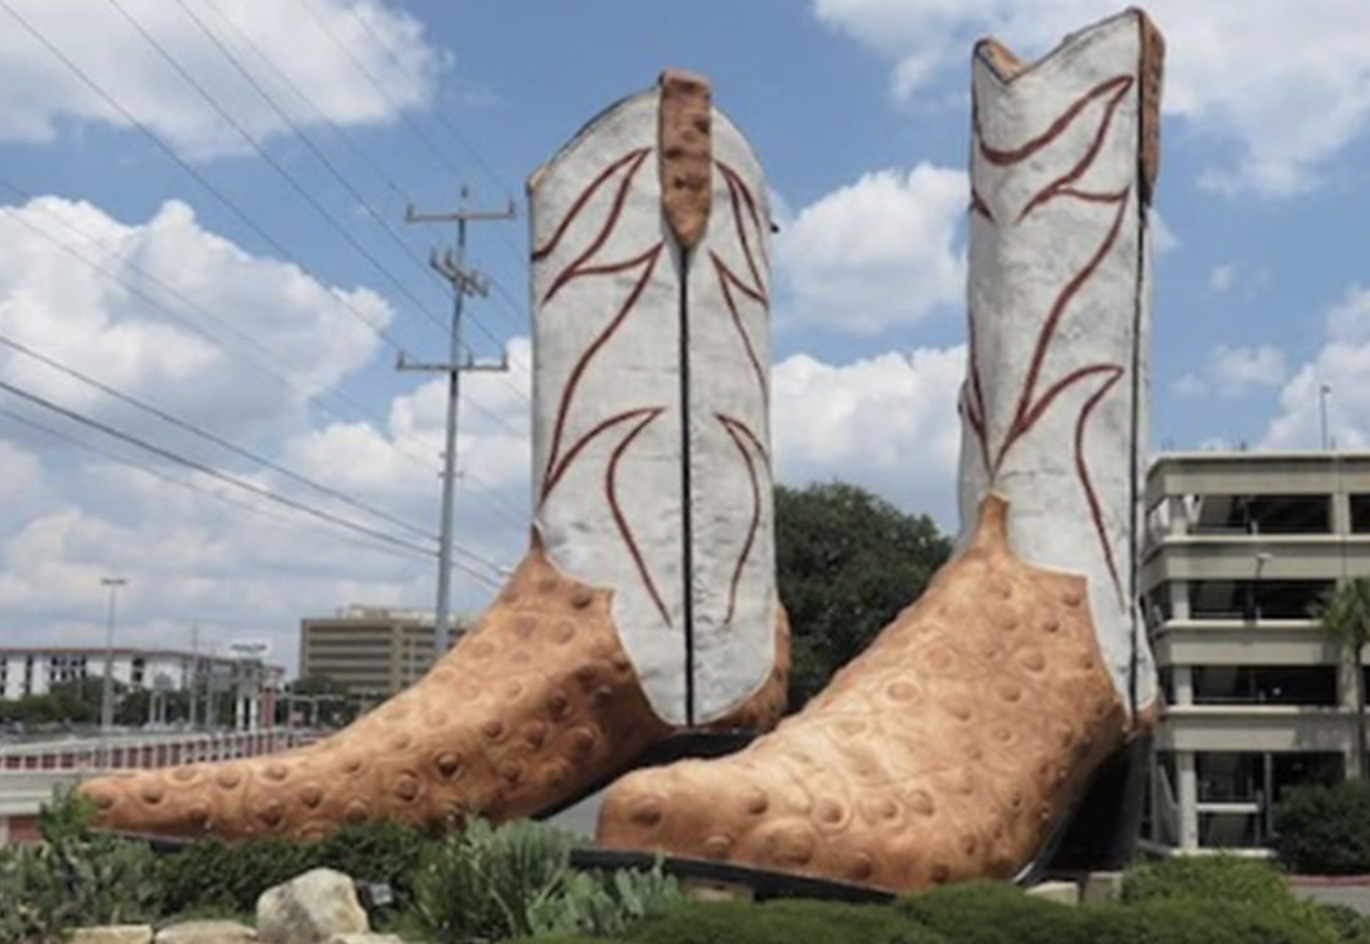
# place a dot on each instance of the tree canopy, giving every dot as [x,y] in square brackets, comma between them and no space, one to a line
[847,562]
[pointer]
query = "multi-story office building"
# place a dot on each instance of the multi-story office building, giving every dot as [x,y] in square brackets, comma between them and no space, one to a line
[1241,547]
[372,651]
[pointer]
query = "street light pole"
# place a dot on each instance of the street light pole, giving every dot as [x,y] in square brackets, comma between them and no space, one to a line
[107,692]
[1324,390]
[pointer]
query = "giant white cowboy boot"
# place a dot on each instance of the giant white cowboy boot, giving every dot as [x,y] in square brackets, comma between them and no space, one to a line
[959,745]
[646,603]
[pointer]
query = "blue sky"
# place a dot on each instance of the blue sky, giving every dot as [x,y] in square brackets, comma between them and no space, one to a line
[858,109]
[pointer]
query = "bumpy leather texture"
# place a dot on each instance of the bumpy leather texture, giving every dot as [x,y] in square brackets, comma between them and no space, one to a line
[949,750]
[534,704]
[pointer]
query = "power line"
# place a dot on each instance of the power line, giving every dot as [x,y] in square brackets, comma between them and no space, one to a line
[185,165]
[496,501]
[211,188]
[189,484]
[213,438]
[437,152]
[235,448]
[275,165]
[395,106]
[462,140]
[310,390]
[341,132]
[212,472]
[255,509]
[314,149]
[310,144]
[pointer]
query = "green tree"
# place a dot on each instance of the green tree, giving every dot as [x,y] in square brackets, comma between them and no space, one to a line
[847,562]
[337,706]
[1345,617]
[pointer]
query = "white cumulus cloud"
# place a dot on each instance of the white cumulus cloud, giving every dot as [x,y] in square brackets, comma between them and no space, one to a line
[313,43]
[887,422]
[108,298]
[1342,368]
[878,253]
[1287,83]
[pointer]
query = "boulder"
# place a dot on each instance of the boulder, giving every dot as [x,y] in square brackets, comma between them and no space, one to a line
[112,934]
[312,908]
[367,938]
[206,932]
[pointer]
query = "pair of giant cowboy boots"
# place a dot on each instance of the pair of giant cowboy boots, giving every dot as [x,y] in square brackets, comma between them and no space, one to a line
[962,740]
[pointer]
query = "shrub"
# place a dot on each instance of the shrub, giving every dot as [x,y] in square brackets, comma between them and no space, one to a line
[74,878]
[489,884]
[986,913]
[1216,878]
[1225,879]
[600,904]
[481,884]
[211,875]
[1348,925]
[384,851]
[1325,829]
[785,922]
[1200,921]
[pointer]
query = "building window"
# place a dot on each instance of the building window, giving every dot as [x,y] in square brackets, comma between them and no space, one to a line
[1360,514]
[1266,685]
[1264,514]
[1256,599]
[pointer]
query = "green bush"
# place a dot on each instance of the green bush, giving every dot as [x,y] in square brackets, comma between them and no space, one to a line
[1225,879]
[1216,878]
[213,875]
[1325,829]
[987,913]
[210,874]
[784,922]
[490,884]
[1199,921]
[73,878]
[1348,925]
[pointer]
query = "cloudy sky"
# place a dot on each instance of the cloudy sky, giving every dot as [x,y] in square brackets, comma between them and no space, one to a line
[202,208]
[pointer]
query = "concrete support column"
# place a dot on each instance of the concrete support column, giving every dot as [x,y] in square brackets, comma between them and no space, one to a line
[1188,798]
[1341,513]
[1182,677]
[1179,599]
[1177,514]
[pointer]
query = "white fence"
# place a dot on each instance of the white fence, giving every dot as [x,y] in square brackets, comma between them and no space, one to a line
[141,751]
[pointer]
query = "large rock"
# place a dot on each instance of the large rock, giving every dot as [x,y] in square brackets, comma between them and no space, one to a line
[112,934]
[310,909]
[206,932]
[367,938]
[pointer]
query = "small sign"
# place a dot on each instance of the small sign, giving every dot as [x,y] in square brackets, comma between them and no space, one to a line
[250,648]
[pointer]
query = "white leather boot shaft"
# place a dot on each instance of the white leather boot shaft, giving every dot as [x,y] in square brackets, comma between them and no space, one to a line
[651,425]
[1054,407]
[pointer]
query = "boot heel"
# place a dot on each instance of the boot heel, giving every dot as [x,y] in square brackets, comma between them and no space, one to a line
[1102,834]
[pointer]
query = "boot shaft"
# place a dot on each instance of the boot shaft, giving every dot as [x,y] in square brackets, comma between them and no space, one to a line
[651,455]
[1063,161]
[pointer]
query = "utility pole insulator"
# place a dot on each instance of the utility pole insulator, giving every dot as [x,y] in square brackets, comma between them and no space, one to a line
[451,265]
